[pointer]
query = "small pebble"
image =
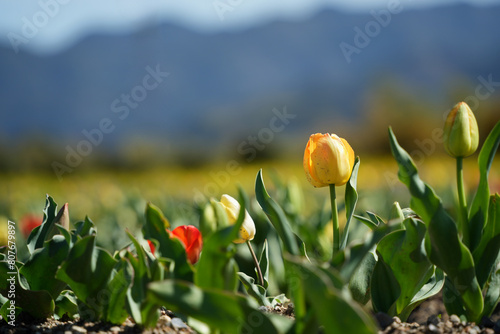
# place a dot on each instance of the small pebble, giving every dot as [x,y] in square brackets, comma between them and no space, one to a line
[177,324]
[115,329]
[455,319]
[433,329]
[78,329]
[164,320]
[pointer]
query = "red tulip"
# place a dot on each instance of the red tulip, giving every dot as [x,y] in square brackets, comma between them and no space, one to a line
[28,223]
[190,237]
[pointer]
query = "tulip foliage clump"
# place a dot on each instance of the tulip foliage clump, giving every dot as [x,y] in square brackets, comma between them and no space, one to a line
[203,273]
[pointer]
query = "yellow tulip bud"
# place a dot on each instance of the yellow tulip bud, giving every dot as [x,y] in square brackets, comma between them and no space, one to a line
[461,135]
[328,159]
[232,207]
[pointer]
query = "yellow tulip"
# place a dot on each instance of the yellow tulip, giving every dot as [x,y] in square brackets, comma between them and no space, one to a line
[328,159]
[461,135]
[232,207]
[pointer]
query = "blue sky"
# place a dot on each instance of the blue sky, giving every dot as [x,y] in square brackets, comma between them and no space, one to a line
[68,20]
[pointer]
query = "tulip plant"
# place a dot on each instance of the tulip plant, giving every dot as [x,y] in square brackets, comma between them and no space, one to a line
[468,251]
[329,161]
[198,271]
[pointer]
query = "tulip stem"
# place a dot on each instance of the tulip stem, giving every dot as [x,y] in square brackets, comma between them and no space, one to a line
[335,220]
[462,202]
[261,278]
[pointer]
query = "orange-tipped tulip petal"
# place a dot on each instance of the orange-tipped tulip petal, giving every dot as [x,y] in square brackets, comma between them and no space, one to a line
[328,159]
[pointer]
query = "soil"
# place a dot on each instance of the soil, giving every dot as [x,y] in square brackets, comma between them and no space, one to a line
[167,323]
[428,318]
[431,317]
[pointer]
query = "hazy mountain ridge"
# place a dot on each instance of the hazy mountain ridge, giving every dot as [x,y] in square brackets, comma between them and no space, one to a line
[225,85]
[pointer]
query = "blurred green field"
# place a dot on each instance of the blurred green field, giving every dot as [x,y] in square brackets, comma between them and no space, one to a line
[116,200]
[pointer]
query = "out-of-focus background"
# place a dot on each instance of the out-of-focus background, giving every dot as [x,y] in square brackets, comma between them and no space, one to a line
[109,105]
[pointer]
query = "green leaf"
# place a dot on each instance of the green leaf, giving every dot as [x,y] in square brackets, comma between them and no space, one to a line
[485,255]
[359,284]
[42,265]
[38,304]
[264,263]
[217,267]
[452,299]
[66,304]
[443,245]
[87,271]
[5,312]
[156,224]
[351,198]
[479,208]
[335,312]
[43,232]
[404,252]
[368,222]
[115,312]
[432,287]
[385,288]
[492,295]
[156,218]
[142,275]
[404,256]
[223,310]
[84,228]
[276,216]
[355,254]
[396,212]
[254,290]
[375,218]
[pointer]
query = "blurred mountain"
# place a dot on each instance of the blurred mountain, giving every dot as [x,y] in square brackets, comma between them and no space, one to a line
[223,86]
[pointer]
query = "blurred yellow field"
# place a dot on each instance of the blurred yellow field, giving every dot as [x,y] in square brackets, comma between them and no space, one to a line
[111,198]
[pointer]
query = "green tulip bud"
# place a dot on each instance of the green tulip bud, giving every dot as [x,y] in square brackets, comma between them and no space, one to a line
[461,135]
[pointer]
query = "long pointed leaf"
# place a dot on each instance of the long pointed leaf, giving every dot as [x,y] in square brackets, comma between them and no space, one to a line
[488,250]
[351,198]
[254,290]
[41,233]
[276,216]
[479,207]
[492,295]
